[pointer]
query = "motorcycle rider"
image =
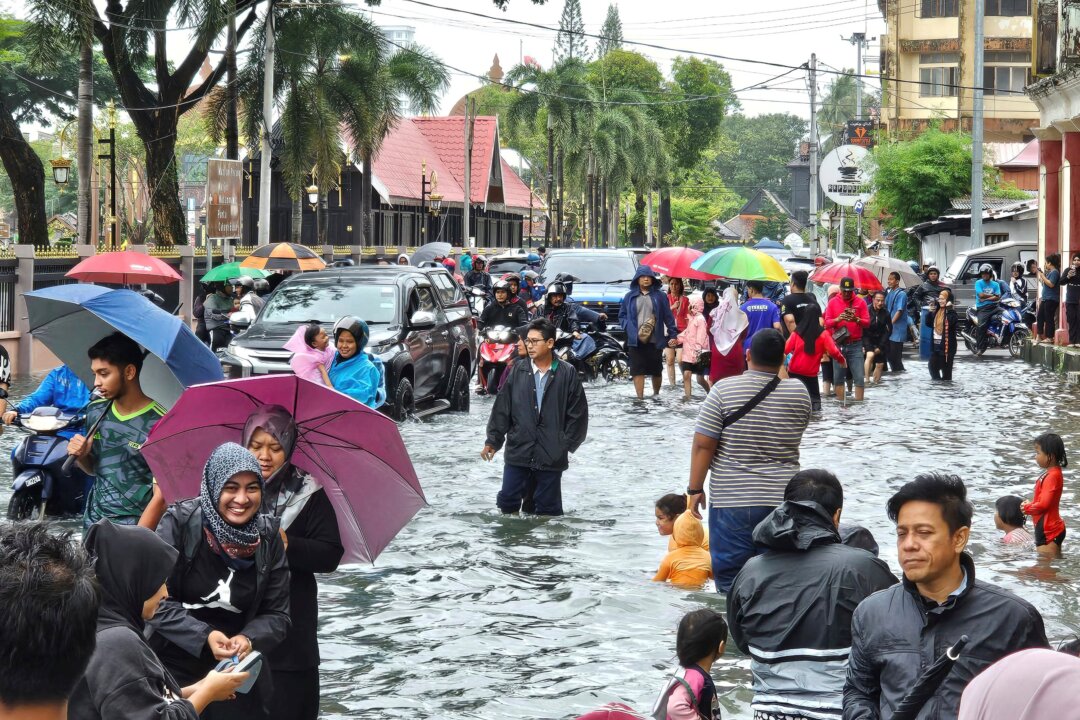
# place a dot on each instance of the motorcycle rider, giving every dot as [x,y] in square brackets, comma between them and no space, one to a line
[216,308]
[62,389]
[478,277]
[558,311]
[987,295]
[520,295]
[250,302]
[505,311]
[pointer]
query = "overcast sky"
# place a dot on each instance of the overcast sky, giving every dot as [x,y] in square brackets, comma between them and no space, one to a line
[785,32]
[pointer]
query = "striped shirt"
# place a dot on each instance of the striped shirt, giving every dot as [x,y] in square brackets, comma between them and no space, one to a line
[758,454]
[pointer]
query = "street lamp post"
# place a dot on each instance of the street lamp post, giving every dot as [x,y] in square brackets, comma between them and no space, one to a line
[425,191]
[313,199]
[111,157]
[61,166]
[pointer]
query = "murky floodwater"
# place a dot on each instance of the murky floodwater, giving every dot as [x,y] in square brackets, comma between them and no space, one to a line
[472,615]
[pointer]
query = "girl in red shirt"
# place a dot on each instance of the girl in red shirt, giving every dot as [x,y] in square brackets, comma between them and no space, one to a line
[806,346]
[1043,508]
[680,308]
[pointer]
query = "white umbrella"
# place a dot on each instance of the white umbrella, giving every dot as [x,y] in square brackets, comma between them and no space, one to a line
[882,266]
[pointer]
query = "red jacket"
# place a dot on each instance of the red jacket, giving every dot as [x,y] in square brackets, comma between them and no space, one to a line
[837,305]
[680,308]
[807,363]
[1043,509]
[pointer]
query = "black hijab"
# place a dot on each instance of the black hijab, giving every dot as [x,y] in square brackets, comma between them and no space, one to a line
[132,563]
[809,327]
[708,307]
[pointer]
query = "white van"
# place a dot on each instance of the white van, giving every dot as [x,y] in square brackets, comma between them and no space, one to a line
[963,271]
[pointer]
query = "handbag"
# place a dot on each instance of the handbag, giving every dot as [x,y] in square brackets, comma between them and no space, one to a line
[841,336]
[645,331]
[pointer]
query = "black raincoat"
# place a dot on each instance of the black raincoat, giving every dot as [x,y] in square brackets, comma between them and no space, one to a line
[790,610]
[896,634]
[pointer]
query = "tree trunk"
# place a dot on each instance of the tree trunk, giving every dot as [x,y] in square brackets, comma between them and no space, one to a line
[602,238]
[637,229]
[665,222]
[170,224]
[85,152]
[320,222]
[27,176]
[562,210]
[365,200]
[297,219]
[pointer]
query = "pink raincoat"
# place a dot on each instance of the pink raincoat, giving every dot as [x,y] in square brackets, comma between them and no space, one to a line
[695,338]
[305,360]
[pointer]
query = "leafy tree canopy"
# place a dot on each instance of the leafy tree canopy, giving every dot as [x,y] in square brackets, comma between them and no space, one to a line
[753,152]
[709,80]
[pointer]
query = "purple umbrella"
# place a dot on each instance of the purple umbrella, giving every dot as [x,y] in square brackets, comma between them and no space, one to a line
[355,453]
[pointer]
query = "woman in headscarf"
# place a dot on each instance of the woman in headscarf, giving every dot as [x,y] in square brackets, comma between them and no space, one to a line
[125,679]
[727,325]
[312,545]
[358,374]
[229,591]
[1029,685]
[941,321]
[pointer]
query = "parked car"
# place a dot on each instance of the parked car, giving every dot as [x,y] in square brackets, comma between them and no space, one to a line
[510,263]
[603,278]
[421,328]
[963,271]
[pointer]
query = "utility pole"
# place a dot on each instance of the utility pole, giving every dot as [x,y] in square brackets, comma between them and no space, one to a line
[470,120]
[268,125]
[977,130]
[550,178]
[813,149]
[85,152]
[232,131]
[859,41]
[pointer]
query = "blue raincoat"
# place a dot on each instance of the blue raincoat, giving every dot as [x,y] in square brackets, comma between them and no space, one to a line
[665,321]
[361,377]
[61,389]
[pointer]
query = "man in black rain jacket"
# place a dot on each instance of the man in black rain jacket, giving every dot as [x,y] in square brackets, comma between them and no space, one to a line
[790,609]
[897,633]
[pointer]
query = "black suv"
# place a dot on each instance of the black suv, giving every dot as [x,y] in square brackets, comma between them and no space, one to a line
[420,322]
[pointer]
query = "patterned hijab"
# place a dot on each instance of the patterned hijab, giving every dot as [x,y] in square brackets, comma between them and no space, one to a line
[234,543]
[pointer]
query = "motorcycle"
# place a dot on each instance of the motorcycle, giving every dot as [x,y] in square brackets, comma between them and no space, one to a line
[1008,329]
[478,299]
[595,354]
[41,488]
[498,347]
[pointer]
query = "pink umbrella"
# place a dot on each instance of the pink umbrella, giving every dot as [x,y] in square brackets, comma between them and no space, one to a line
[355,453]
[124,268]
[675,262]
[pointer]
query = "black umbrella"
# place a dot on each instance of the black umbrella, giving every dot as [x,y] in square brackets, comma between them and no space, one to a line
[429,252]
[928,683]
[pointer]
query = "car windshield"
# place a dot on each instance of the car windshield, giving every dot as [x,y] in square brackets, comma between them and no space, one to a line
[506,265]
[327,303]
[591,268]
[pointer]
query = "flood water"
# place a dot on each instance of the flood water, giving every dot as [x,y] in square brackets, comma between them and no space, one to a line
[470,614]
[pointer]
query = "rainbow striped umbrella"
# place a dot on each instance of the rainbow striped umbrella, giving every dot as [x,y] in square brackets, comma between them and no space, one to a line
[741,263]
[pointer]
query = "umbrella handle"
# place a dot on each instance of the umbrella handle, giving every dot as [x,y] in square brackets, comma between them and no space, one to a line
[69,461]
[953,653]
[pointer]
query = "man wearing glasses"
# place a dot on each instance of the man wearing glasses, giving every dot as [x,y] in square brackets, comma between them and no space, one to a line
[542,414]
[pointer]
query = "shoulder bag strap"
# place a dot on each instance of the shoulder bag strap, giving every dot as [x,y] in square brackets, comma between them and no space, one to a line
[752,403]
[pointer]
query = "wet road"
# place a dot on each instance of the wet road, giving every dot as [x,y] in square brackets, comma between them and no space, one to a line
[472,615]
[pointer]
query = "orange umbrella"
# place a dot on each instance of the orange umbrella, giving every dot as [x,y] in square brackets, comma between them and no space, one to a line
[284,256]
[124,268]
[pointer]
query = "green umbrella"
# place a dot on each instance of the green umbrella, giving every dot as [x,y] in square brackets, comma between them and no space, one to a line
[741,263]
[228,271]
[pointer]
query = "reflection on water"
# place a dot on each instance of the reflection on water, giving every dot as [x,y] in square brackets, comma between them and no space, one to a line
[472,615]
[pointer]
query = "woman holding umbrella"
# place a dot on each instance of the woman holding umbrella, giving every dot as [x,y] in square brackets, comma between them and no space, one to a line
[312,545]
[229,589]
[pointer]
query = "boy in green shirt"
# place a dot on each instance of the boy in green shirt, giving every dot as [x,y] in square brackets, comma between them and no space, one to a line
[123,484]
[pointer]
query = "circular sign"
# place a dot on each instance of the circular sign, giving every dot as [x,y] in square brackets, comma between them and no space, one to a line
[843,177]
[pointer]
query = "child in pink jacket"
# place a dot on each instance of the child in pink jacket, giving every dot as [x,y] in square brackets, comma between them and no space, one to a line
[311,353]
[695,348]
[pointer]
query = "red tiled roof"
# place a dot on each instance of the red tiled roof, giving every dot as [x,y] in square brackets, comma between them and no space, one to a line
[399,161]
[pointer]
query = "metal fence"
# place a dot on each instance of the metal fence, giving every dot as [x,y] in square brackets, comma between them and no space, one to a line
[7,294]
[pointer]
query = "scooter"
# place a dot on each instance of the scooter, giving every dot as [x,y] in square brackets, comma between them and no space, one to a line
[498,347]
[595,354]
[1008,329]
[41,488]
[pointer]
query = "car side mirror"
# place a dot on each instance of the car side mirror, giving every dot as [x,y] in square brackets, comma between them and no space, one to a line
[422,319]
[240,324]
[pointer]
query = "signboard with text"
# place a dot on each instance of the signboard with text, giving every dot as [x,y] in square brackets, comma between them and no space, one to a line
[860,132]
[224,189]
[845,176]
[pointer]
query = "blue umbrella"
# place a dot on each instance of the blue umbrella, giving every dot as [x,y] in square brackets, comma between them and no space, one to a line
[767,244]
[69,319]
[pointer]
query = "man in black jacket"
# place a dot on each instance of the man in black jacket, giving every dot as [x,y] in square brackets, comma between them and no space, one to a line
[477,277]
[790,609]
[543,415]
[504,311]
[897,633]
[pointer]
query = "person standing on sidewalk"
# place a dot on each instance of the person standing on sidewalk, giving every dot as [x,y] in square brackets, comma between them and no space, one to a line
[896,302]
[747,440]
[543,415]
[846,317]
[1071,280]
[1049,298]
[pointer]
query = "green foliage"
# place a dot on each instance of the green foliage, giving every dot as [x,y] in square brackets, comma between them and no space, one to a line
[611,33]
[570,43]
[753,152]
[906,247]
[701,79]
[773,225]
[691,222]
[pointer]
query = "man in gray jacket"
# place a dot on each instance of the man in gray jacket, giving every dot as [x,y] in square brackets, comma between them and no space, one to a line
[897,633]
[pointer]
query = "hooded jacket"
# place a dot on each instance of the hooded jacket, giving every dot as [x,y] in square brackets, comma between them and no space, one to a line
[695,338]
[510,314]
[61,389]
[665,322]
[539,437]
[124,678]
[896,634]
[478,278]
[689,563]
[790,609]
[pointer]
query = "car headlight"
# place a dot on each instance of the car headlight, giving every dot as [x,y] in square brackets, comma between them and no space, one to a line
[238,351]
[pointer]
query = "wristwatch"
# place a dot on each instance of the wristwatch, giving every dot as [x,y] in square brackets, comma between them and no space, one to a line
[3,394]
[699,491]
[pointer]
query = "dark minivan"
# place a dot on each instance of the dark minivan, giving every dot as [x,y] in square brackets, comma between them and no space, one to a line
[421,328]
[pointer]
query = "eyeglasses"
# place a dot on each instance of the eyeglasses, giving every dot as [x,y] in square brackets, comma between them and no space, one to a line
[534,341]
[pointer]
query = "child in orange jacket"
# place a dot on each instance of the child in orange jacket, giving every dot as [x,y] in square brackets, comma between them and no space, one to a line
[689,564]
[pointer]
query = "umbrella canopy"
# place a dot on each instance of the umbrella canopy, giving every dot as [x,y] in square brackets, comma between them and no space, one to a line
[864,278]
[927,684]
[228,271]
[69,319]
[676,262]
[428,252]
[882,266]
[355,453]
[767,244]
[124,268]
[284,256]
[741,263]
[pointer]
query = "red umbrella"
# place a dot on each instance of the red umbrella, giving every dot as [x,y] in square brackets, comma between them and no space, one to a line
[124,268]
[675,262]
[864,278]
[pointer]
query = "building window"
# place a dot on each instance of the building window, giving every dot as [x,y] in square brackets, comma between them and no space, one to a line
[939,81]
[941,8]
[1008,8]
[1006,79]
[995,238]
